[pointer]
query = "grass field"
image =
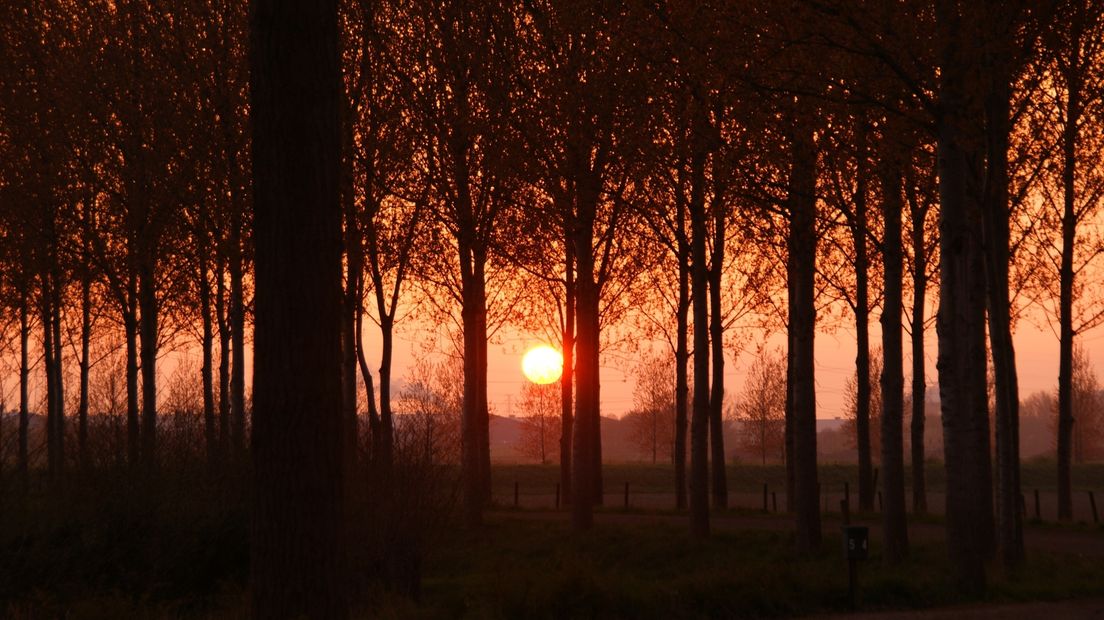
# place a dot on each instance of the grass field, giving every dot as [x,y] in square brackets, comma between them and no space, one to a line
[178,547]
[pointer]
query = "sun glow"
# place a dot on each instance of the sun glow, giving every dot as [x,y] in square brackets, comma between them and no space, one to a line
[542,364]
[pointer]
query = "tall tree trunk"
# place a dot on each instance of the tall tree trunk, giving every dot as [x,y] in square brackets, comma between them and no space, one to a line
[699,420]
[237,333]
[49,362]
[210,432]
[130,326]
[374,422]
[482,403]
[802,246]
[894,528]
[224,356]
[919,383]
[85,362]
[961,318]
[147,325]
[354,260]
[567,398]
[586,365]
[297,565]
[682,357]
[788,423]
[996,217]
[862,355]
[716,333]
[387,431]
[1066,277]
[24,384]
[474,320]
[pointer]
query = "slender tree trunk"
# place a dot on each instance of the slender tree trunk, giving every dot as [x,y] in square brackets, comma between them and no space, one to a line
[788,423]
[567,398]
[802,246]
[49,362]
[862,355]
[147,325]
[716,332]
[59,385]
[130,326]
[919,383]
[482,404]
[237,333]
[699,421]
[374,422]
[210,432]
[961,318]
[894,528]
[682,358]
[85,362]
[297,561]
[224,357]
[1066,277]
[24,381]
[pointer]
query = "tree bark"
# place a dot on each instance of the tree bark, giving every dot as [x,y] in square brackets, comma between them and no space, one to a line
[699,420]
[567,398]
[85,361]
[224,356]
[24,384]
[862,335]
[961,318]
[297,565]
[894,526]
[585,451]
[207,340]
[919,383]
[147,326]
[682,357]
[237,333]
[802,247]
[716,333]
[130,326]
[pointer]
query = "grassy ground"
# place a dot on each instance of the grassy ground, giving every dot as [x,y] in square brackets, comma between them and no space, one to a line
[648,478]
[113,547]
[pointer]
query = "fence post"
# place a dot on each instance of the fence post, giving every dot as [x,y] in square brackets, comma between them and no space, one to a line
[1038,513]
[1092,503]
[764,497]
[774,501]
[515,494]
[879,501]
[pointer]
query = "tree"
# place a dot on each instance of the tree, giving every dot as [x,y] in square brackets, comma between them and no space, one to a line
[652,419]
[297,568]
[761,410]
[539,404]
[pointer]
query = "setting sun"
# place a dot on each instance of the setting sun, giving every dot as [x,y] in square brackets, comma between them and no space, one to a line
[542,364]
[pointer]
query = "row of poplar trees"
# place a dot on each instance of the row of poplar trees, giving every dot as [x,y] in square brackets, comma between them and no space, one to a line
[563,158]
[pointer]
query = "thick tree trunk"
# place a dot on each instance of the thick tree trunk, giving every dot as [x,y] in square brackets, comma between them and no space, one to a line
[297,565]
[699,420]
[919,383]
[567,398]
[894,526]
[682,358]
[716,333]
[351,301]
[586,367]
[862,355]
[387,424]
[788,425]
[147,325]
[802,246]
[996,220]
[961,318]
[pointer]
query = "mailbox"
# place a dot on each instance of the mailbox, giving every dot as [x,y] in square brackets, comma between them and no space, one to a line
[855,541]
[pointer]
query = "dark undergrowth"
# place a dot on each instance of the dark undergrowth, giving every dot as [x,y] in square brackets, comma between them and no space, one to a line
[175,545]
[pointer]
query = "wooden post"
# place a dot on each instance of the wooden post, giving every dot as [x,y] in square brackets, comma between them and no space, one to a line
[1092,503]
[764,497]
[879,501]
[515,494]
[875,484]
[845,510]
[774,501]
[1038,513]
